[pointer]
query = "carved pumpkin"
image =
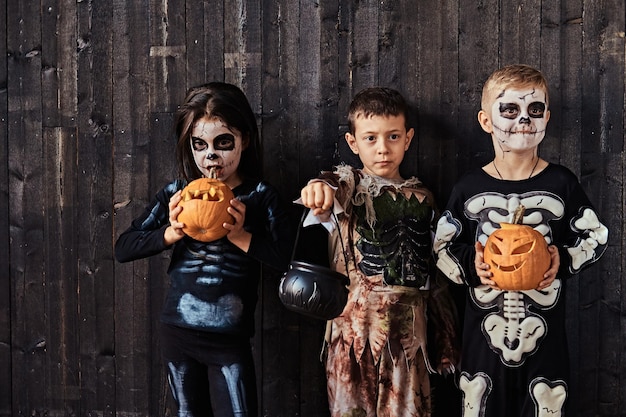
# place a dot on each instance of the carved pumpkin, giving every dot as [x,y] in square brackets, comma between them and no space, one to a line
[204,203]
[518,257]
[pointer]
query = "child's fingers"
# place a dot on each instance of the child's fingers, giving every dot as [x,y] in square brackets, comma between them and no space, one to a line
[317,195]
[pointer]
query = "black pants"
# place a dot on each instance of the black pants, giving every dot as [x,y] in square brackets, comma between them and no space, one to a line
[210,375]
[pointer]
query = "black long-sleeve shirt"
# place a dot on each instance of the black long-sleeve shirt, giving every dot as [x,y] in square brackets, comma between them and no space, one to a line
[213,285]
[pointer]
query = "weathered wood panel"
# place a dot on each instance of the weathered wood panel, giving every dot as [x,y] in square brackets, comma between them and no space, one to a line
[5,278]
[87,96]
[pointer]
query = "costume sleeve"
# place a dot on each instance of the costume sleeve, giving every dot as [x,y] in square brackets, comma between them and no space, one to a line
[454,243]
[273,238]
[144,237]
[586,237]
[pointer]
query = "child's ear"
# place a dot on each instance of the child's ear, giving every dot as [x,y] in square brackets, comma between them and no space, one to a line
[352,143]
[485,121]
[409,137]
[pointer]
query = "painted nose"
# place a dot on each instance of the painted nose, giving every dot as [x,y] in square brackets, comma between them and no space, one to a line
[524,120]
[211,156]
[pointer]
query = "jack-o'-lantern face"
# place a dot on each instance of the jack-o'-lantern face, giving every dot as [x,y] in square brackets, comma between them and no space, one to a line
[204,203]
[518,257]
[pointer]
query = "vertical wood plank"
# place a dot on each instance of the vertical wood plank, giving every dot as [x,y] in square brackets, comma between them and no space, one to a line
[364,63]
[437,80]
[519,32]
[26,210]
[5,241]
[590,169]
[610,135]
[569,113]
[278,347]
[94,225]
[551,66]
[478,58]
[58,79]
[61,273]
[204,30]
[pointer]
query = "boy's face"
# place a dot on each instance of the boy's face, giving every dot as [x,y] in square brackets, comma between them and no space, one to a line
[216,146]
[518,119]
[380,142]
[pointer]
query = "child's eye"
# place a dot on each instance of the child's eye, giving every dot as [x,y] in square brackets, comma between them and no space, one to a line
[198,144]
[224,142]
[509,110]
[536,109]
[394,136]
[370,138]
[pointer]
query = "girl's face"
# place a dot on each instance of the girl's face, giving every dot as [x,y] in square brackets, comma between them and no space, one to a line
[519,119]
[216,146]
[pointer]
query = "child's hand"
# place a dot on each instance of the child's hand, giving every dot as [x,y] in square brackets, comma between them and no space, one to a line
[550,275]
[174,231]
[318,196]
[236,233]
[482,268]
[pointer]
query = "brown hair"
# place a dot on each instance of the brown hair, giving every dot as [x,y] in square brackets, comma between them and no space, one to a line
[518,76]
[377,101]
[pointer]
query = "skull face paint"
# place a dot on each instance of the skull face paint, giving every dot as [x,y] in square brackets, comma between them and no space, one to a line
[519,119]
[215,145]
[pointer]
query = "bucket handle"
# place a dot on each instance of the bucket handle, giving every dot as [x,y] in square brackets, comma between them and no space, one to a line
[301,225]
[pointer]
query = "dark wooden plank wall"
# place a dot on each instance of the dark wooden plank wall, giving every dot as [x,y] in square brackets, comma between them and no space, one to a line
[87,93]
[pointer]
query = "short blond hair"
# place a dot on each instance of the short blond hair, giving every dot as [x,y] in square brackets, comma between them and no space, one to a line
[516,76]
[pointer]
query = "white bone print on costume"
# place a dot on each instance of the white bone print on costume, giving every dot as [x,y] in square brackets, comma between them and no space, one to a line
[448,228]
[491,209]
[514,332]
[587,250]
[232,375]
[475,390]
[548,396]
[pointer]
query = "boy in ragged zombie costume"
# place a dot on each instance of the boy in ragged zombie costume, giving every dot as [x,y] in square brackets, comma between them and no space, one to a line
[377,362]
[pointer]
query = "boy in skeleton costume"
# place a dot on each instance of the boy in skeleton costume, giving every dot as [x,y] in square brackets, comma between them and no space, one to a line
[515,360]
[377,363]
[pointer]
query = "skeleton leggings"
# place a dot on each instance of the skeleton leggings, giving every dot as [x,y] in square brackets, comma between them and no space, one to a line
[209,374]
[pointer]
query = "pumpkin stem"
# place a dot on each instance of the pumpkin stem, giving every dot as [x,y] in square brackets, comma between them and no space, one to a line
[213,173]
[518,215]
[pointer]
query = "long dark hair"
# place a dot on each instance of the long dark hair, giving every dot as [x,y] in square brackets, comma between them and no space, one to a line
[229,104]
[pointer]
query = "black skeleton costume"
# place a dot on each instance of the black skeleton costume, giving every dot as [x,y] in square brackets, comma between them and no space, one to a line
[514,341]
[208,313]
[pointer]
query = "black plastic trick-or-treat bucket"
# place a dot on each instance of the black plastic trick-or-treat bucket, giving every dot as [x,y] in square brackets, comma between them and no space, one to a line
[313,290]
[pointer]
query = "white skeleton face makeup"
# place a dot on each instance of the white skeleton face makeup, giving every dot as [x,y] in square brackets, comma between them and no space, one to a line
[214,145]
[519,119]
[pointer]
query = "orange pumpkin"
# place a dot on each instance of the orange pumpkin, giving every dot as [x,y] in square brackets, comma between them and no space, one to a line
[204,203]
[518,257]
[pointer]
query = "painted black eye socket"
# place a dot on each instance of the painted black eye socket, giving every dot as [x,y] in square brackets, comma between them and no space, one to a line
[224,142]
[198,144]
[509,110]
[536,109]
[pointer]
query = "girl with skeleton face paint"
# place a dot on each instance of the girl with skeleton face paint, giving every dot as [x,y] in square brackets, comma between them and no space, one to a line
[208,315]
[216,146]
